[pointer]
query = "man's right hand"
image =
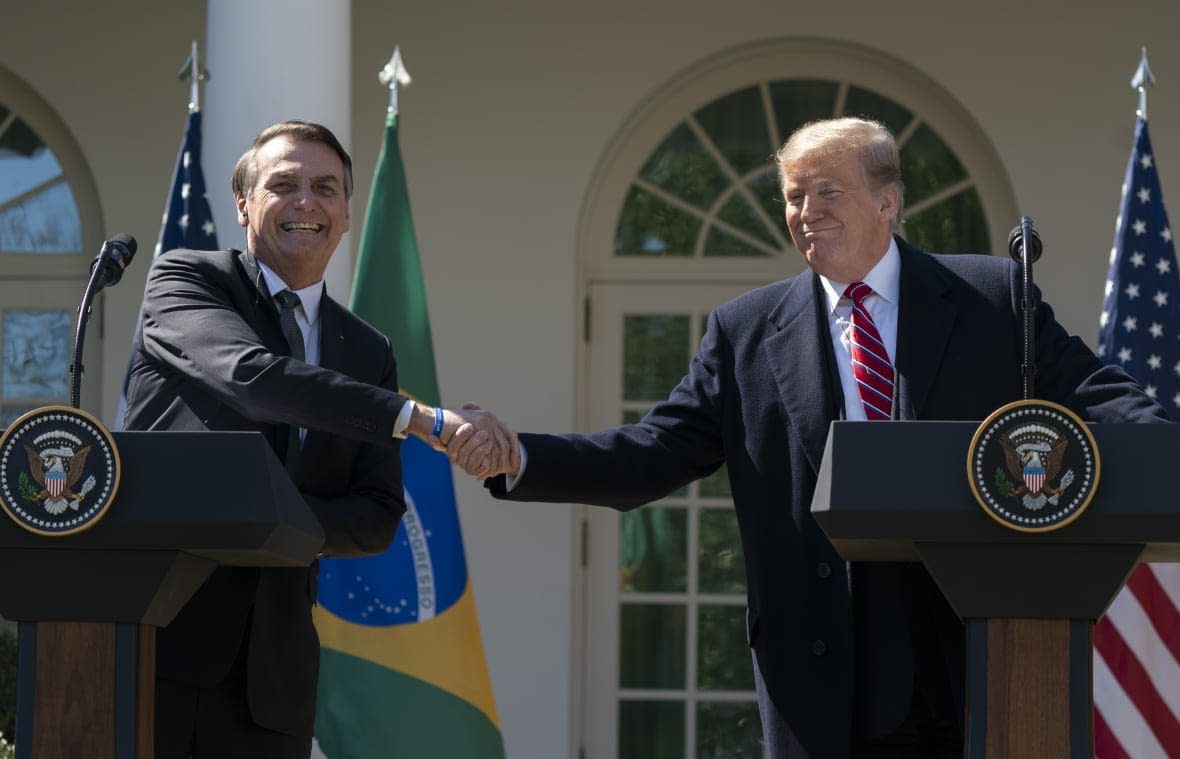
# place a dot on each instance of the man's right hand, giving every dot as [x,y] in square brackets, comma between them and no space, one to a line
[475,440]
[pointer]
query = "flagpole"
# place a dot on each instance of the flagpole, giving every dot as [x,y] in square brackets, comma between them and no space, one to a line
[191,72]
[1140,81]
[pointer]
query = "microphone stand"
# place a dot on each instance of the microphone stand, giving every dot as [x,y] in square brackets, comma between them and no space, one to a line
[76,368]
[1027,256]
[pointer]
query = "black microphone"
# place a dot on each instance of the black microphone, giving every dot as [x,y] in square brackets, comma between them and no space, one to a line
[107,269]
[1016,241]
[113,259]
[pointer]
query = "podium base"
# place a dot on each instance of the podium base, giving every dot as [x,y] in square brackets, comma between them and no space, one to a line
[86,689]
[1029,688]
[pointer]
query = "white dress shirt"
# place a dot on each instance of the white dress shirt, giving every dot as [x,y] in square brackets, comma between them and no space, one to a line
[307,316]
[885,280]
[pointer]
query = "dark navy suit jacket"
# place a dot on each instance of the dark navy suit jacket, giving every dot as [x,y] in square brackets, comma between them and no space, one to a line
[211,356]
[758,397]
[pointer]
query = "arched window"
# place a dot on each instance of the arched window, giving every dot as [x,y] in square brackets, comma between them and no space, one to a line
[685,213]
[49,216]
[709,189]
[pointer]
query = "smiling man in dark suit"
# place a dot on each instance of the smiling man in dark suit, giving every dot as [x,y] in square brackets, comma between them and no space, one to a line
[250,340]
[862,660]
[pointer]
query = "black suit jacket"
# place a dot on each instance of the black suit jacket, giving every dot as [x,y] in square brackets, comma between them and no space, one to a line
[211,356]
[758,397]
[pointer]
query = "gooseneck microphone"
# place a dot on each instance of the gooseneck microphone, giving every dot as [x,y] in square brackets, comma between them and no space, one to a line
[1024,245]
[106,270]
[113,260]
[1016,241]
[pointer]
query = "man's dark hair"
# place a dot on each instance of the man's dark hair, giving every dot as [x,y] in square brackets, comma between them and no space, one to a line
[246,172]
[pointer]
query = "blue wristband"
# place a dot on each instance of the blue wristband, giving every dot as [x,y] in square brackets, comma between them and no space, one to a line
[438,422]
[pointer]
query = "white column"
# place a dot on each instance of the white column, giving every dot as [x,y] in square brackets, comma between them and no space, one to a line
[272,60]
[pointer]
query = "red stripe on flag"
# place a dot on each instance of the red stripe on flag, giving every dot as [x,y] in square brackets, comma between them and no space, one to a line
[1156,603]
[1106,745]
[1132,676]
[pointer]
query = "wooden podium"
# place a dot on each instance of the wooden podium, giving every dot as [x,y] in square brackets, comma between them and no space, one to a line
[88,604]
[1029,600]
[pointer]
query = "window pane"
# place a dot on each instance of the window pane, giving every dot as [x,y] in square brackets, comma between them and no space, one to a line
[650,227]
[655,355]
[956,225]
[720,553]
[927,164]
[25,161]
[682,167]
[766,189]
[737,125]
[737,212]
[36,354]
[799,101]
[9,413]
[861,102]
[722,243]
[723,661]
[728,731]
[651,646]
[716,485]
[652,548]
[651,730]
[44,223]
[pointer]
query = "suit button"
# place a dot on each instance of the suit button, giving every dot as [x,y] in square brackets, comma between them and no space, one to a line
[819,648]
[823,570]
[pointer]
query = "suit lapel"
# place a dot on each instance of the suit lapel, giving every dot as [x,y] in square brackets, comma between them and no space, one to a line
[925,320]
[795,355]
[265,319]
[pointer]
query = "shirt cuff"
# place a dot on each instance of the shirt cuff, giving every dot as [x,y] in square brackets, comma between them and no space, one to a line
[403,420]
[509,480]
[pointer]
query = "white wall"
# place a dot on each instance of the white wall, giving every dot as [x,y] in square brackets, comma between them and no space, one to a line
[512,107]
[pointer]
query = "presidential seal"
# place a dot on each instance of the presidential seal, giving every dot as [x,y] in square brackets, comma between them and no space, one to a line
[1033,466]
[59,470]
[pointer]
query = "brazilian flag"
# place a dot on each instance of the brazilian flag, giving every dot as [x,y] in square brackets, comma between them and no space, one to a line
[402,670]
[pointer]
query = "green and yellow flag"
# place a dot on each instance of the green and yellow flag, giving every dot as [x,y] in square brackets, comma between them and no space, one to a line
[402,669]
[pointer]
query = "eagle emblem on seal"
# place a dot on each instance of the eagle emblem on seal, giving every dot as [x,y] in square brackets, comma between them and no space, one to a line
[57,461]
[1033,456]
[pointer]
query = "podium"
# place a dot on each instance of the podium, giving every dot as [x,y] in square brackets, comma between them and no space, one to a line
[88,603]
[1029,601]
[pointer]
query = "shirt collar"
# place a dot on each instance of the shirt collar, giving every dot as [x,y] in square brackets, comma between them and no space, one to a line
[309,297]
[884,278]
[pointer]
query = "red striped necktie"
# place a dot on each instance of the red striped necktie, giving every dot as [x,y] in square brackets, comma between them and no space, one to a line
[870,360]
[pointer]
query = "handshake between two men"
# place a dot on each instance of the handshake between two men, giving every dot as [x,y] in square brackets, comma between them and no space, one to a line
[475,440]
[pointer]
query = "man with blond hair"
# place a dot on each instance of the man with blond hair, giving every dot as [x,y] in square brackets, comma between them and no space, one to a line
[862,660]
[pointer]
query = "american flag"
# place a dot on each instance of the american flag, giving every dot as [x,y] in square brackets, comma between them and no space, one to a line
[1137,643]
[187,222]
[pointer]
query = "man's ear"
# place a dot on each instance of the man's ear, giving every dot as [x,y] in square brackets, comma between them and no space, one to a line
[243,217]
[890,198]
